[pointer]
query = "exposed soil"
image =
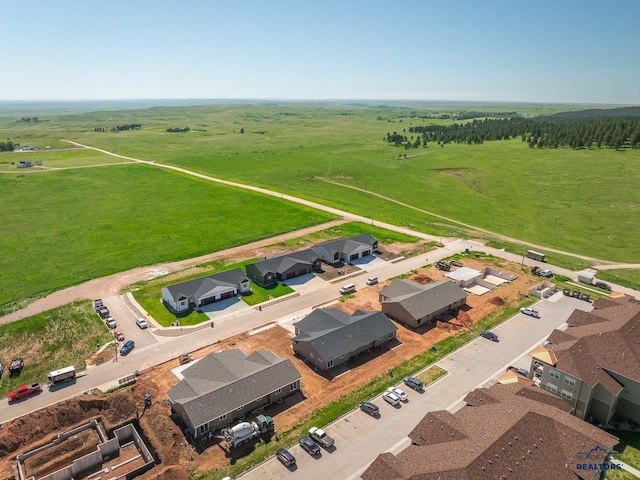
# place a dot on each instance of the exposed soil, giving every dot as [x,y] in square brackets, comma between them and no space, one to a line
[177,455]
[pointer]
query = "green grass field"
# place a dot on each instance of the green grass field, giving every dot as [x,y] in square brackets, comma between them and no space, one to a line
[627,277]
[117,217]
[65,227]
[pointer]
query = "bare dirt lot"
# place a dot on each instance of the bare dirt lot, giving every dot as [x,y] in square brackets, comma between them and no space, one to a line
[166,439]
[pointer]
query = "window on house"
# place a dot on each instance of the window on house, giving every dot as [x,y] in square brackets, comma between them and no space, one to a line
[330,364]
[342,356]
[567,395]
[278,391]
[391,335]
[240,408]
[294,386]
[554,373]
[259,398]
[552,388]
[570,381]
[223,417]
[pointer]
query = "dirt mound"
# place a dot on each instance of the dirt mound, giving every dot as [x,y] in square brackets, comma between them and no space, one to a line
[422,279]
[36,427]
[499,301]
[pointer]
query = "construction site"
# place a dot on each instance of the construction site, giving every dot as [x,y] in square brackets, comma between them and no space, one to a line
[171,454]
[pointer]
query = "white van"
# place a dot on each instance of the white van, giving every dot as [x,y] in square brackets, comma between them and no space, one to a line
[349,288]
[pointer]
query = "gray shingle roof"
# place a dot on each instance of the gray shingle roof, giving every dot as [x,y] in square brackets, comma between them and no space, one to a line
[223,381]
[333,332]
[199,286]
[283,263]
[347,246]
[422,300]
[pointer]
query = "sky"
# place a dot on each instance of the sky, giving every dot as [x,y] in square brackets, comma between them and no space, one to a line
[560,51]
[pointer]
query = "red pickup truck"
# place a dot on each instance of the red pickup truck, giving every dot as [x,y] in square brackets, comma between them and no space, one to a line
[25,391]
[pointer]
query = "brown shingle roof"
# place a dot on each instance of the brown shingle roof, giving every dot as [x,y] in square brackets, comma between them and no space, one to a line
[523,433]
[605,340]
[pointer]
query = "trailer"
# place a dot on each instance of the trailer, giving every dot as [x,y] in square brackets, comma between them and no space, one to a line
[64,375]
[533,255]
[585,278]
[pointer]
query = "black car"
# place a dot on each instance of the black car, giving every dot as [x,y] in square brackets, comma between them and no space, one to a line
[309,445]
[490,335]
[414,383]
[520,371]
[604,286]
[370,408]
[285,457]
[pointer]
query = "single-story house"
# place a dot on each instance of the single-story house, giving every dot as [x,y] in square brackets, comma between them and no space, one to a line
[205,290]
[346,249]
[328,337]
[279,269]
[226,385]
[414,304]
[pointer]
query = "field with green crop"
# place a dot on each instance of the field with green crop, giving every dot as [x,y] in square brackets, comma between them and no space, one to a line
[582,201]
[61,228]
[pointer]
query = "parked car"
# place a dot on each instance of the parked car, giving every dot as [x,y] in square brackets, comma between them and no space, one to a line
[127,347]
[401,394]
[309,445]
[111,323]
[349,288]
[531,312]
[370,408]
[519,371]
[604,286]
[15,367]
[490,336]
[390,398]
[103,312]
[372,280]
[414,383]
[285,457]
[119,335]
[545,273]
[141,322]
[97,304]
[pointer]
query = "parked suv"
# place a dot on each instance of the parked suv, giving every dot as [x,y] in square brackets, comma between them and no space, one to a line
[414,383]
[141,322]
[604,286]
[370,408]
[309,445]
[372,280]
[285,457]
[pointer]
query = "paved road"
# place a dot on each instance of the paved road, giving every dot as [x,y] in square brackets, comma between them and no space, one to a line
[361,438]
[152,350]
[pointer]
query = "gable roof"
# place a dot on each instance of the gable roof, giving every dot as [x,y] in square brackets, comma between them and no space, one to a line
[421,300]
[600,343]
[347,246]
[199,286]
[522,432]
[283,263]
[333,332]
[223,381]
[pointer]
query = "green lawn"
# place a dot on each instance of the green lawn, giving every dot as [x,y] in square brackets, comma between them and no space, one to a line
[55,339]
[626,277]
[559,260]
[66,227]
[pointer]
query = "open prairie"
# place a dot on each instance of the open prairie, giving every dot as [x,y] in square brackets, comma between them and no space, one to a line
[582,201]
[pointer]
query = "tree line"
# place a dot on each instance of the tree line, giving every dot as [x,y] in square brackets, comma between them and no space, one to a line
[119,128]
[552,131]
[178,130]
[30,119]
[7,146]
